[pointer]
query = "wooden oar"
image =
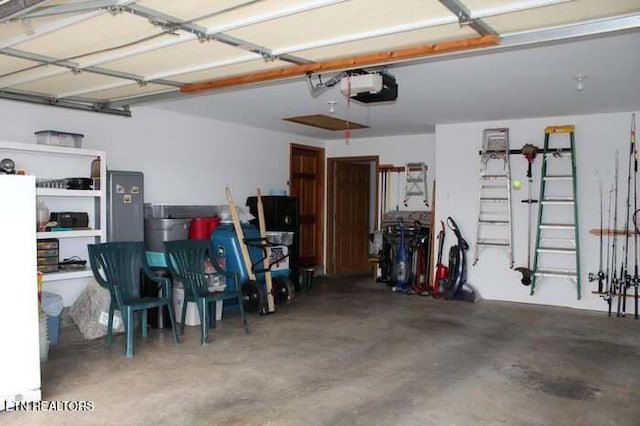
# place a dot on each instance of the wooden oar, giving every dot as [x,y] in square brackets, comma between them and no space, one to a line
[267,273]
[240,234]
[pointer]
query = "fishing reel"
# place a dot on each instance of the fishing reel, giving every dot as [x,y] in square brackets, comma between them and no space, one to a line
[596,277]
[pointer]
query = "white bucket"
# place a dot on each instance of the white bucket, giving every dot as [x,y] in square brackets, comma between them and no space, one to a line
[44,339]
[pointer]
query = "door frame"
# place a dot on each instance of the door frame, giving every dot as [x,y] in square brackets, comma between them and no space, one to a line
[331,208]
[319,189]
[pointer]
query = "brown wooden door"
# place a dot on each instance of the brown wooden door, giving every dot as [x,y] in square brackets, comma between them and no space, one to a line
[351,223]
[306,183]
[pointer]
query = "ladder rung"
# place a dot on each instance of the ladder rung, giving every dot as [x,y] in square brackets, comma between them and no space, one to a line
[558,154]
[496,153]
[412,193]
[497,215]
[561,273]
[494,222]
[418,180]
[494,176]
[493,243]
[558,200]
[564,226]
[558,177]
[494,199]
[493,187]
[560,250]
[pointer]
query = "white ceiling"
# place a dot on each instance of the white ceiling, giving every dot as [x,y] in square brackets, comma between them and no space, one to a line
[525,82]
[108,55]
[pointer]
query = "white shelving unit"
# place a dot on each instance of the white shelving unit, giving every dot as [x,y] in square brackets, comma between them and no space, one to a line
[54,192]
[53,162]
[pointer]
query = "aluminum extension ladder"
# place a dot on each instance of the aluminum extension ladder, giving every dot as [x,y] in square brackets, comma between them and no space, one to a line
[416,183]
[494,195]
[557,245]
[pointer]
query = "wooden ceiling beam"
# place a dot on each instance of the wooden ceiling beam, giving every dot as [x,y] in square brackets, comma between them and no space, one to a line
[371,59]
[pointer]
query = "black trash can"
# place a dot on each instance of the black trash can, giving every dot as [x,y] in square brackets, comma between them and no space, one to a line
[157,317]
[307,279]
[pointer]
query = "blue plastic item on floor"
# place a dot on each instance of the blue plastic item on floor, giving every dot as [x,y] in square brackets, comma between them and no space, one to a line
[52,305]
[53,329]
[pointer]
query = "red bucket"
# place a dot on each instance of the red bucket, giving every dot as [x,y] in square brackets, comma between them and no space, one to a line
[202,227]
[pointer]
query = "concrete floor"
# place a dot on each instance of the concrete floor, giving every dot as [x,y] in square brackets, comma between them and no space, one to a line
[351,352]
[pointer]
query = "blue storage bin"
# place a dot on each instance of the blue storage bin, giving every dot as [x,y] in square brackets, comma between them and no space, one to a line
[53,329]
[52,306]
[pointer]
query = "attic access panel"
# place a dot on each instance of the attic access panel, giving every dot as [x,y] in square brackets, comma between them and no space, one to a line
[326,122]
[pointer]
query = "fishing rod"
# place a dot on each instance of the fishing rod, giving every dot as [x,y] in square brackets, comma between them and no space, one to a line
[626,278]
[600,274]
[614,279]
[635,210]
[606,274]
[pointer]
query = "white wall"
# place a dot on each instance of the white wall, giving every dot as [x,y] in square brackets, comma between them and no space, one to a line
[397,150]
[185,159]
[597,138]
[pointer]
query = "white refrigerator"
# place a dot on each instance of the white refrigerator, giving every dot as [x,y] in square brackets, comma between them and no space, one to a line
[19,325]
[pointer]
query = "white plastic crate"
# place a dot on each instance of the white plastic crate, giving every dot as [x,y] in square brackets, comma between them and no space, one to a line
[54,137]
[192,317]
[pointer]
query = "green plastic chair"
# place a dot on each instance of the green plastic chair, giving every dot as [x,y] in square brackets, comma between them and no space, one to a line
[186,262]
[117,267]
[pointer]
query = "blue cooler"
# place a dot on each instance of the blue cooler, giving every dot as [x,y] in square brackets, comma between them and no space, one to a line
[228,254]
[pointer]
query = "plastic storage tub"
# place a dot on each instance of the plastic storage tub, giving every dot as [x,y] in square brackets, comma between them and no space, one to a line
[54,137]
[157,231]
